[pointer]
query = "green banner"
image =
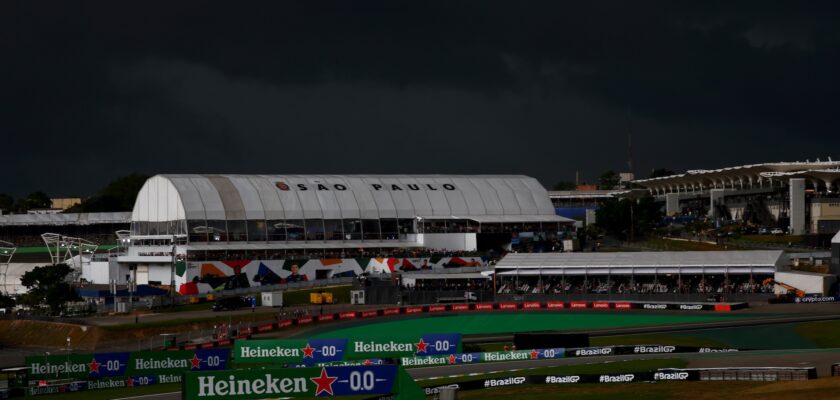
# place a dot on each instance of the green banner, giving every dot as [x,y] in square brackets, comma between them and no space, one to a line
[167,366]
[162,366]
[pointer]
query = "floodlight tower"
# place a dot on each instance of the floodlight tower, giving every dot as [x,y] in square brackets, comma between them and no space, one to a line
[62,249]
[7,250]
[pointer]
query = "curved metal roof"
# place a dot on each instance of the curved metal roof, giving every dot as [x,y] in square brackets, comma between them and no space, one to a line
[256,197]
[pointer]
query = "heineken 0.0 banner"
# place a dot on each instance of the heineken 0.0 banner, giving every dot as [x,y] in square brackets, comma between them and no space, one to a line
[297,382]
[493,356]
[308,352]
[425,345]
[317,351]
[144,366]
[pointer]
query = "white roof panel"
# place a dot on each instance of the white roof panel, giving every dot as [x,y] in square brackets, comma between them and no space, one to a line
[249,196]
[513,198]
[269,197]
[742,261]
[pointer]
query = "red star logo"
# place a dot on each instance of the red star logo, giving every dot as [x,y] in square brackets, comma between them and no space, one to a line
[452,359]
[94,366]
[130,382]
[421,347]
[308,351]
[534,354]
[367,362]
[196,362]
[324,383]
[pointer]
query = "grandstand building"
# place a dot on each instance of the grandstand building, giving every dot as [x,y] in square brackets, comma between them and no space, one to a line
[72,235]
[801,197]
[683,274]
[243,230]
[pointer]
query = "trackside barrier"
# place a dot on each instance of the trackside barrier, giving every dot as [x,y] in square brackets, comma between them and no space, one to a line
[579,304]
[552,353]
[246,333]
[643,349]
[723,307]
[700,374]
[492,356]
[816,299]
[121,369]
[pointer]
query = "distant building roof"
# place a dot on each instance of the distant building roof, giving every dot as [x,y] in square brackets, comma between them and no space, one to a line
[62,219]
[626,263]
[585,194]
[739,174]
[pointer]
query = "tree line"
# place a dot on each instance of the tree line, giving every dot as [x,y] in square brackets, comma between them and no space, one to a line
[611,180]
[117,195]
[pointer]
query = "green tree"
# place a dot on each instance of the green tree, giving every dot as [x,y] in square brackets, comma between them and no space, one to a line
[609,180]
[628,219]
[6,202]
[6,301]
[47,286]
[34,200]
[564,185]
[660,172]
[118,195]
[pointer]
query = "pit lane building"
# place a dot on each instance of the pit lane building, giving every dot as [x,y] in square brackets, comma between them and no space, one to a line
[674,266]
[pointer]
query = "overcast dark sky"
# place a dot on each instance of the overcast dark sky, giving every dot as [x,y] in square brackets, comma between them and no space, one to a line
[93,90]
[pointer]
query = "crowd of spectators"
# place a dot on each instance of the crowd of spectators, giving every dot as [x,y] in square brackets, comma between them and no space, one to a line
[637,285]
[37,241]
[337,253]
[449,284]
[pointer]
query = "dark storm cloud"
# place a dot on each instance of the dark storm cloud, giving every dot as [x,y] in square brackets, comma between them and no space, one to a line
[94,90]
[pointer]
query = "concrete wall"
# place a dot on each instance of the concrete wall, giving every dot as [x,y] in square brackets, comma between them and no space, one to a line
[16,270]
[450,241]
[824,211]
[809,282]
[716,196]
[590,216]
[96,272]
[797,206]
[672,204]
